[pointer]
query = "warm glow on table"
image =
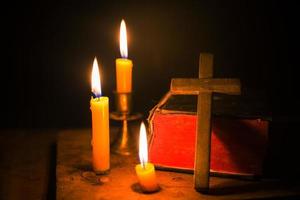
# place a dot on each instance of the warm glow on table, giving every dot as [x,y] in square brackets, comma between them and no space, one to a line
[145,171]
[100,125]
[123,65]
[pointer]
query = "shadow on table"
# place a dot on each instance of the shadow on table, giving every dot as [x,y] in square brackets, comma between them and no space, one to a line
[290,189]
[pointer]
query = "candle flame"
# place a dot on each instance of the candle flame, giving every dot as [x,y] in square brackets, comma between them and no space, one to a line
[143,148]
[96,82]
[123,40]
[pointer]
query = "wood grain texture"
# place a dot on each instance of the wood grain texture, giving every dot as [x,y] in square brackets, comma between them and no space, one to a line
[196,86]
[76,181]
[206,61]
[203,135]
[203,142]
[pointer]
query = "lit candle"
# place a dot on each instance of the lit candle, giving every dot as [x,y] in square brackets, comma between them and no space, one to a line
[145,171]
[100,124]
[123,65]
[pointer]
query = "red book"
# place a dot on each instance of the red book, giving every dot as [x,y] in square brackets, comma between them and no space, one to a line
[238,142]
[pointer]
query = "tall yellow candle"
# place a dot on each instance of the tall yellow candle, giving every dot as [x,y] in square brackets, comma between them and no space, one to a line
[123,65]
[100,125]
[145,171]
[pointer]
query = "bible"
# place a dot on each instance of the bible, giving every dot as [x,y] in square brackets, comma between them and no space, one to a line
[239,133]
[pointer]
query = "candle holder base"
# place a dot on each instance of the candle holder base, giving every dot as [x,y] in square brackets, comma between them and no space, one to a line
[126,142]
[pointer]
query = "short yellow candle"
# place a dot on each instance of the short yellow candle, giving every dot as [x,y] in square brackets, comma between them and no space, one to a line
[100,125]
[145,171]
[123,65]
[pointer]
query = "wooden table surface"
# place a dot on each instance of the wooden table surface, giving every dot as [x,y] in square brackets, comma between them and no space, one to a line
[27,164]
[75,179]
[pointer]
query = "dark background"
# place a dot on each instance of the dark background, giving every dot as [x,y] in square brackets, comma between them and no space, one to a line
[45,74]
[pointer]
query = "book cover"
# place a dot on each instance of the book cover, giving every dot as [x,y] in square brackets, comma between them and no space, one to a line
[238,142]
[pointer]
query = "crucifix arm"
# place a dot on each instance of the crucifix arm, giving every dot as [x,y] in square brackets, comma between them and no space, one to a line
[196,86]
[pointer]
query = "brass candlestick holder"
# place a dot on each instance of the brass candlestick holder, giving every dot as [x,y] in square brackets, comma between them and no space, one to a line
[126,141]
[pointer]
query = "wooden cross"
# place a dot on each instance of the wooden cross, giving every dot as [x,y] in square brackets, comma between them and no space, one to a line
[204,86]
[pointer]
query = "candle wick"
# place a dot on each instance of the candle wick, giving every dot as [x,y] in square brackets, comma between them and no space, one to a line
[144,165]
[93,95]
